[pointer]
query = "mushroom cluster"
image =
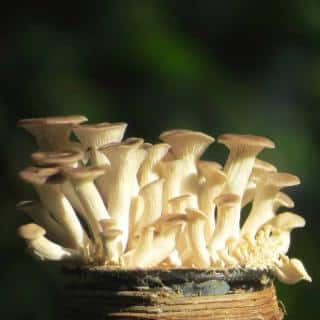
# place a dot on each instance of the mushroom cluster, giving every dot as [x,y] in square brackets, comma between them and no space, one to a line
[126,203]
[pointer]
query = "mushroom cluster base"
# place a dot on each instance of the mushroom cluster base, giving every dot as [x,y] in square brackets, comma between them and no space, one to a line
[98,293]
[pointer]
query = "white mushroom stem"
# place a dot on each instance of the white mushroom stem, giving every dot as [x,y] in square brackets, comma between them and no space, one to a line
[290,271]
[44,249]
[122,186]
[262,207]
[171,172]
[52,133]
[152,203]
[136,212]
[208,191]
[281,227]
[225,226]
[196,226]
[39,214]
[111,240]
[82,180]
[148,171]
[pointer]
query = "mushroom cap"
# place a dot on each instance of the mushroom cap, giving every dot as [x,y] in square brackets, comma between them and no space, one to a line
[281,179]
[230,139]
[227,199]
[169,220]
[85,173]
[41,175]
[284,200]
[108,223]
[212,170]
[287,221]
[31,231]
[62,158]
[195,214]
[186,142]
[264,166]
[187,198]
[59,120]
[130,143]
[99,134]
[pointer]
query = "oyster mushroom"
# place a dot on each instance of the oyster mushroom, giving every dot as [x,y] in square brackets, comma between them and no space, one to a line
[44,249]
[262,207]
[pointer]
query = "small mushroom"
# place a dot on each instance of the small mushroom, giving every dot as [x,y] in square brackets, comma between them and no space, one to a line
[68,158]
[44,249]
[180,203]
[282,200]
[39,214]
[262,207]
[52,133]
[148,170]
[111,240]
[290,271]
[82,180]
[215,181]
[46,182]
[152,203]
[260,168]
[227,222]
[281,227]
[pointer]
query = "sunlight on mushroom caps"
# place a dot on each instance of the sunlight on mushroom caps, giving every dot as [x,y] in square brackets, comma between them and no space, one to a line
[133,204]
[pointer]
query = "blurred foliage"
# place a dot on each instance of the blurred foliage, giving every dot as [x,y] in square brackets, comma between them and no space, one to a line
[216,66]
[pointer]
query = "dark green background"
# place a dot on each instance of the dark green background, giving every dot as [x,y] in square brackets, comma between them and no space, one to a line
[216,66]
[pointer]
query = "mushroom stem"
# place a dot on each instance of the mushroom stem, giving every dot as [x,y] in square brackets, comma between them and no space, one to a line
[82,180]
[122,186]
[196,226]
[44,249]
[225,227]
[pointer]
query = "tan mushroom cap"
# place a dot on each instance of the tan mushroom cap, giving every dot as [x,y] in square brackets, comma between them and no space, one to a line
[195,214]
[61,158]
[229,139]
[170,219]
[128,143]
[41,175]
[84,173]
[227,199]
[287,221]
[184,141]
[107,224]
[99,134]
[284,200]
[281,179]
[187,197]
[31,231]
[264,166]
[212,169]
[59,120]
